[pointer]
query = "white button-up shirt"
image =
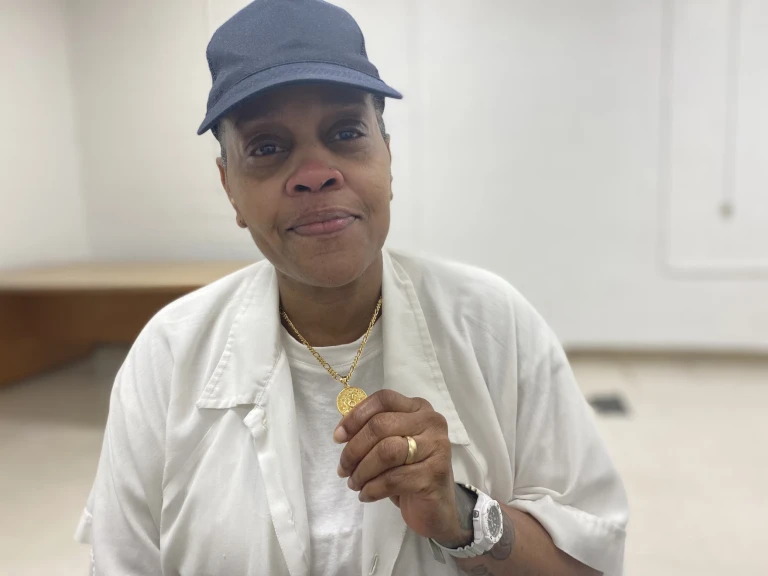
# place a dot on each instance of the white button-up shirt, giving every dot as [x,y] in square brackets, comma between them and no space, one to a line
[200,471]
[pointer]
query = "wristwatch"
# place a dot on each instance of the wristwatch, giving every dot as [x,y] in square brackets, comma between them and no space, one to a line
[488,525]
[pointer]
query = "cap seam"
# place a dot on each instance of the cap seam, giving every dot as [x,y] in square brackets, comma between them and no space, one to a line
[244,78]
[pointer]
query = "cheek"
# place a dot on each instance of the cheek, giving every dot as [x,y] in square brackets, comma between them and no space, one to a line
[377,202]
[258,203]
[381,200]
[373,186]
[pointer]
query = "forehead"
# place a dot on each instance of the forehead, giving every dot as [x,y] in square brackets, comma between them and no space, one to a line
[293,100]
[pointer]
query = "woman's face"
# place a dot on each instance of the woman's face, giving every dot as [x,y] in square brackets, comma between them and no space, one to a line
[308,171]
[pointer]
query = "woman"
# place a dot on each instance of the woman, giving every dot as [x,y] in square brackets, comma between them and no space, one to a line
[338,408]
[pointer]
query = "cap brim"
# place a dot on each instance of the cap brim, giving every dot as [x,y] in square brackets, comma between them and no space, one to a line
[287,74]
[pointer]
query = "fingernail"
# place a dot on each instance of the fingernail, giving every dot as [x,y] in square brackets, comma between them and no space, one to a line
[340,435]
[341,472]
[363,498]
[350,484]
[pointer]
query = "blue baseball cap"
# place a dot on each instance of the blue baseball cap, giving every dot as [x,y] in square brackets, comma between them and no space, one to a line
[272,43]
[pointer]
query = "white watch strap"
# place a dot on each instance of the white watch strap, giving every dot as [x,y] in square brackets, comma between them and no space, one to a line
[482,542]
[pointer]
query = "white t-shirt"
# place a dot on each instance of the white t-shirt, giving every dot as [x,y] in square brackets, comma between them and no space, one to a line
[334,512]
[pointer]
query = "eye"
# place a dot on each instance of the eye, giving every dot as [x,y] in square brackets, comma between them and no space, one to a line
[347,134]
[266,149]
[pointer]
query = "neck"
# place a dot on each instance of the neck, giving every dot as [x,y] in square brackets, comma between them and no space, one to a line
[332,316]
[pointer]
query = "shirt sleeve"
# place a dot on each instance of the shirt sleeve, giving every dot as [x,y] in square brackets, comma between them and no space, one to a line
[122,516]
[564,476]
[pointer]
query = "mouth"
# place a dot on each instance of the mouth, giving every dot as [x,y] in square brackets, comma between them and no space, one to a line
[323,223]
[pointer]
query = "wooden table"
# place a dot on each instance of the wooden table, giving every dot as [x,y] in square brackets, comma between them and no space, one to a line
[53,315]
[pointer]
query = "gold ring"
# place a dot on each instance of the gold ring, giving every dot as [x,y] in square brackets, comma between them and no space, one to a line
[411,450]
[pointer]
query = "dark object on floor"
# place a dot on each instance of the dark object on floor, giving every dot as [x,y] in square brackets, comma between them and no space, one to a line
[608,404]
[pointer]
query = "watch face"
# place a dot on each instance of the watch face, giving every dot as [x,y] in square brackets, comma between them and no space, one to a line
[494,520]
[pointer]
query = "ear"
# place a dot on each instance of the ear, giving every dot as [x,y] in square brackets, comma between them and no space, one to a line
[222,174]
[391,177]
[225,184]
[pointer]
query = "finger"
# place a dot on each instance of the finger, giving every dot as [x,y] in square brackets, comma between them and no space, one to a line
[381,426]
[381,401]
[387,454]
[398,481]
[395,500]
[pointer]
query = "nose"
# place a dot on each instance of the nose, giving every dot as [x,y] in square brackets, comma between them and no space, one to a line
[314,177]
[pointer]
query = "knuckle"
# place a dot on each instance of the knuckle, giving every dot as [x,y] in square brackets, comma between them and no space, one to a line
[423,403]
[346,458]
[387,397]
[379,424]
[441,475]
[368,491]
[424,486]
[439,421]
[389,451]
[391,481]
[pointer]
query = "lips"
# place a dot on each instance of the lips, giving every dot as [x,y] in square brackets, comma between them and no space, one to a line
[322,223]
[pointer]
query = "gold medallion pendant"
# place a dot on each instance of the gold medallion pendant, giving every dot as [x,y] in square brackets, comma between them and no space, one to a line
[348,398]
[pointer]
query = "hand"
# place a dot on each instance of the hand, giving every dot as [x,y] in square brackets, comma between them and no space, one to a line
[374,461]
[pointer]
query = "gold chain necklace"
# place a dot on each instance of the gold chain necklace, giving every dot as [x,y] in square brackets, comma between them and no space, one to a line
[350,396]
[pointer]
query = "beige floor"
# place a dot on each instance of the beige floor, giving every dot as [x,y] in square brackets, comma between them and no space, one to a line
[693,452]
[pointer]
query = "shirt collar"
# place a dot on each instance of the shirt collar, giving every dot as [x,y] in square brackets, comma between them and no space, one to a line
[250,358]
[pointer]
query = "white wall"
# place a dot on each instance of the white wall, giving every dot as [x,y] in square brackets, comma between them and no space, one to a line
[544,121]
[41,210]
[533,141]
[716,168]
[150,182]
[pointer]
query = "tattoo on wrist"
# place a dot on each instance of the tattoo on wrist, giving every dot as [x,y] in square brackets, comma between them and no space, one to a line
[500,551]
[503,548]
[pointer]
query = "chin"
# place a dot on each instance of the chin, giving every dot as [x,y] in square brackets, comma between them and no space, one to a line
[332,272]
[329,263]
[336,268]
